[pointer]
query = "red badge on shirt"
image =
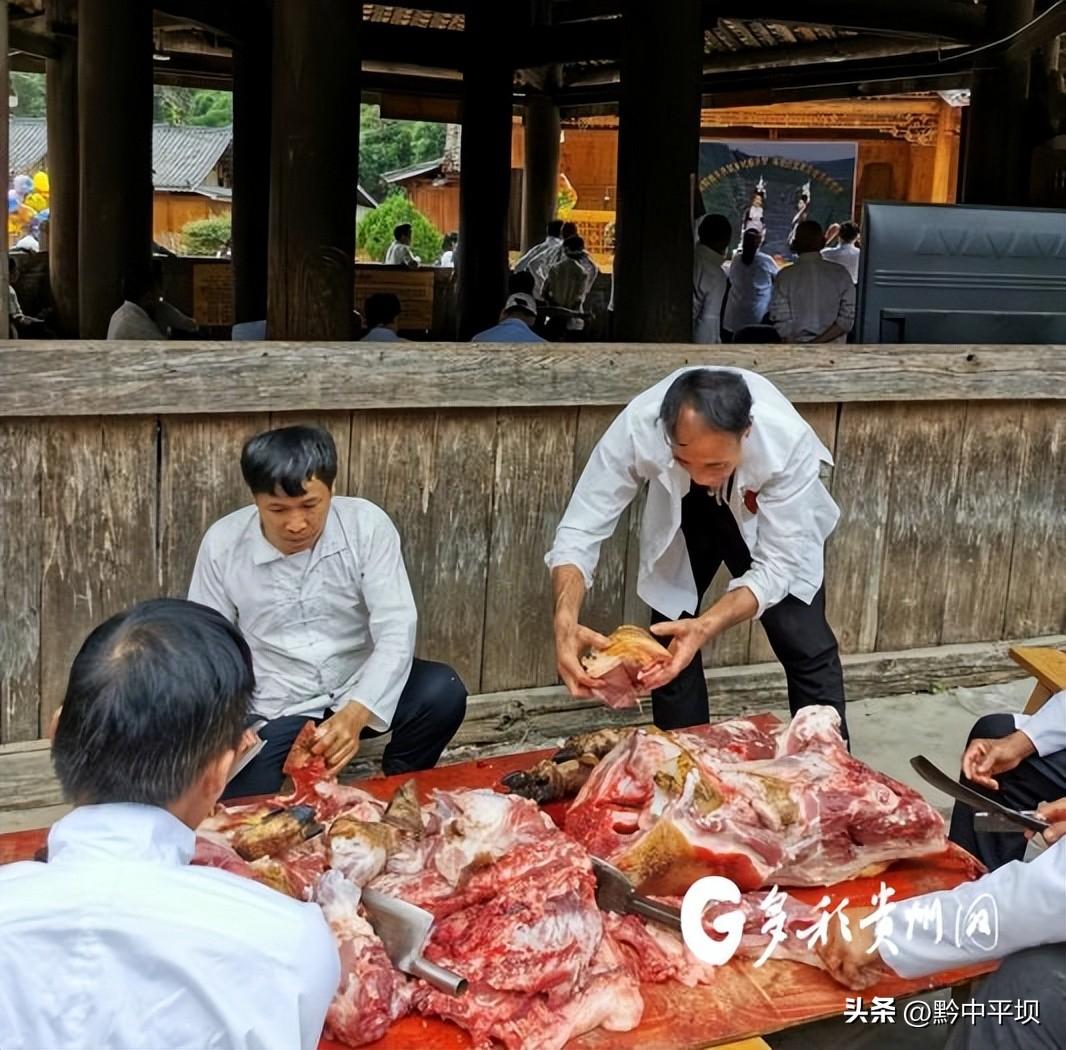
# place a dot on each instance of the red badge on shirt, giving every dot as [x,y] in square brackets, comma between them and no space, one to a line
[751,501]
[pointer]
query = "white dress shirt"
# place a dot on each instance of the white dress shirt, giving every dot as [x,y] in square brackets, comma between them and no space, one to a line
[709,284]
[1046,727]
[750,288]
[1025,905]
[325,626]
[780,460]
[846,255]
[809,296]
[401,255]
[538,260]
[118,942]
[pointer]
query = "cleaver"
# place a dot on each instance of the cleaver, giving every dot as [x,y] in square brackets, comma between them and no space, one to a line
[404,929]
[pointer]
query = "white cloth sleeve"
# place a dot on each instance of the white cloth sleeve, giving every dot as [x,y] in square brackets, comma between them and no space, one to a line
[1046,728]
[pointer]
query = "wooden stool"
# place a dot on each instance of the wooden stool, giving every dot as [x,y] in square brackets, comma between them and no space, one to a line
[1048,667]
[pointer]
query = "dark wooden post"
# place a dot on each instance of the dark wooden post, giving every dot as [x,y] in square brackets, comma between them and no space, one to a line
[251,163]
[314,147]
[540,184]
[658,147]
[485,166]
[5,320]
[996,158]
[114,154]
[61,86]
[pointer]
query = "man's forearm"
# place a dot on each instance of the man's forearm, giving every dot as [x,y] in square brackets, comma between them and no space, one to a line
[733,607]
[568,592]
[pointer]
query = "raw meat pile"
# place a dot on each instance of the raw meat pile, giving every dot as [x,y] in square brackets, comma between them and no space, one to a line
[513,896]
[791,807]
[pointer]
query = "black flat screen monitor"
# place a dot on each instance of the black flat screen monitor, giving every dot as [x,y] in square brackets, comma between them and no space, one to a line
[951,273]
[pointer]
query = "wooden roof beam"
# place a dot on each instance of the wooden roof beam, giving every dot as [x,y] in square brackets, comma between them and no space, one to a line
[955,20]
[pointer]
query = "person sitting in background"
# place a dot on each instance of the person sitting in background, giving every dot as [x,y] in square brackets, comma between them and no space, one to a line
[30,242]
[448,248]
[144,313]
[516,322]
[399,253]
[846,253]
[751,284]
[568,284]
[538,258]
[709,282]
[117,941]
[22,325]
[1017,760]
[813,300]
[383,318]
[318,584]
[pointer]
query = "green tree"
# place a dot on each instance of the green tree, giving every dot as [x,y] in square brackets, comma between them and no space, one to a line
[194,107]
[28,88]
[374,234]
[385,145]
[205,236]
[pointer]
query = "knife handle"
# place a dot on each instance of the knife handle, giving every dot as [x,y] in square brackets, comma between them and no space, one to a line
[441,979]
[666,914]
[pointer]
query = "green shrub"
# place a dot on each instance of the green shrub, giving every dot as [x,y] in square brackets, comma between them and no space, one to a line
[205,236]
[374,234]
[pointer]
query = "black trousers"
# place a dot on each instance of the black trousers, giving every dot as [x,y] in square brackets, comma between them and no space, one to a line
[799,634]
[1032,781]
[431,708]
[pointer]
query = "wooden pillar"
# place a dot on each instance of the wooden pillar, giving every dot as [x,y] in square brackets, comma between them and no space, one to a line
[658,149]
[114,154]
[61,86]
[314,147]
[485,166]
[251,163]
[996,165]
[540,184]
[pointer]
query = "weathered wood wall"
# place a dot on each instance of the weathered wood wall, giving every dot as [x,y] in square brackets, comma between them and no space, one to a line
[114,461]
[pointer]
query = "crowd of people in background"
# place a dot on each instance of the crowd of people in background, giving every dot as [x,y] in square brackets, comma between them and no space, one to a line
[28,211]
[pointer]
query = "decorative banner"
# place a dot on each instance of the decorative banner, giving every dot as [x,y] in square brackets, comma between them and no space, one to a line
[776,185]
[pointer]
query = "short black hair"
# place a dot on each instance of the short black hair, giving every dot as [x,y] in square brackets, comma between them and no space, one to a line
[568,229]
[382,308]
[137,283]
[720,398]
[848,231]
[574,244]
[287,458]
[715,229]
[522,281]
[555,228]
[401,229]
[154,694]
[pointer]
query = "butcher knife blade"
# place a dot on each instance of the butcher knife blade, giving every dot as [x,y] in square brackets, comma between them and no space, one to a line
[614,892]
[404,929]
[982,804]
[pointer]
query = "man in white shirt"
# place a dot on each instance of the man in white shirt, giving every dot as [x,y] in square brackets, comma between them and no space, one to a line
[846,253]
[732,474]
[383,318]
[399,252]
[709,282]
[537,259]
[516,323]
[813,300]
[318,585]
[569,282]
[144,314]
[1015,913]
[1018,760]
[117,941]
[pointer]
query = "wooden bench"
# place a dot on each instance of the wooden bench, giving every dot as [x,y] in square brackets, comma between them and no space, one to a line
[1048,667]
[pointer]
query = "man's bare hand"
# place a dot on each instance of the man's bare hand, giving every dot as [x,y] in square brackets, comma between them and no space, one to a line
[687,637]
[571,641]
[338,736]
[1055,812]
[985,758]
[852,962]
